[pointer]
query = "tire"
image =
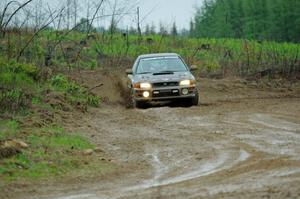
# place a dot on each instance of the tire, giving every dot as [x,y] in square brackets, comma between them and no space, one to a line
[139,104]
[193,101]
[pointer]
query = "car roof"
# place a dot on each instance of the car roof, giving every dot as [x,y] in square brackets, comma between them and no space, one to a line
[158,55]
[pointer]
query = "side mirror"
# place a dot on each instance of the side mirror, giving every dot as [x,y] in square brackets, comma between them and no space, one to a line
[129,71]
[193,68]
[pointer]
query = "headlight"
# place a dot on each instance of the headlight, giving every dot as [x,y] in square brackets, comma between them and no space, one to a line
[142,85]
[187,82]
[145,85]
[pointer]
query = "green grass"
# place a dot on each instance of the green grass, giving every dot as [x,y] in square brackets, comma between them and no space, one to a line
[20,87]
[52,152]
[59,141]
[233,56]
[8,128]
[73,92]
[240,56]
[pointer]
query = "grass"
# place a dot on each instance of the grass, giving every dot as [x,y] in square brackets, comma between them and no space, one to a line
[73,92]
[233,56]
[21,87]
[24,93]
[8,129]
[58,139]
[52,152]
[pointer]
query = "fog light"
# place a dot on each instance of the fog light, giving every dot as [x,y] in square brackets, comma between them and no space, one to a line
[146,94]
[185,91]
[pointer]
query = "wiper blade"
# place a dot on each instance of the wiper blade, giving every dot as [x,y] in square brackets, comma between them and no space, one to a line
[144,73]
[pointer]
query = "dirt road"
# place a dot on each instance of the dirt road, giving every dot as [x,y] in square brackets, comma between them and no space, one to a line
[239,143]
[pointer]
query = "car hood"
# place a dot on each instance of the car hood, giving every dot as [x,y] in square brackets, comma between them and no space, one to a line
[152,78]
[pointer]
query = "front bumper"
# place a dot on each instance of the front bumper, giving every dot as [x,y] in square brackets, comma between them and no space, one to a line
[164,93]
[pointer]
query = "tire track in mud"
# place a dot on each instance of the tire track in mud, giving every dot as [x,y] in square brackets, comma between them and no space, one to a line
[274,136]
[268,122]
[209,167]
[223,138]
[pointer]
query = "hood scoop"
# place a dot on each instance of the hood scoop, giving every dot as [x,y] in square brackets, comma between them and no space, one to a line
[164,73]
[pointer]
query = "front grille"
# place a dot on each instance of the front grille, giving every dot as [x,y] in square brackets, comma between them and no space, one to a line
[165,93]
[165,84]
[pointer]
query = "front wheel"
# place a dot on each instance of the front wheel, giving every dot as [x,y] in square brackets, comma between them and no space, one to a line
[193,101]
[136,103]
[139,104]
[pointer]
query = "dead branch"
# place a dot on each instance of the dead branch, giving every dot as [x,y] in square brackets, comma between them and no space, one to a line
[99,85]
[36,33]
[89,28]
[13,14]
[4,11]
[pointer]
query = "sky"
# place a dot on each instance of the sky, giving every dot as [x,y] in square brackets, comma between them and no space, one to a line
[151,11]
[166,12]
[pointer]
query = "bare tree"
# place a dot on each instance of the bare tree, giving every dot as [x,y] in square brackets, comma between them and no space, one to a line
[75,3]
[89,27]
[138,23]
[45,25]
[68,14]
[3,25]
[39,15]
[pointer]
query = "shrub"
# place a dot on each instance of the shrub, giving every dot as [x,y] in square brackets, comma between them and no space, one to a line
[14,100]
[11,80]
[16,67]
[75,94]
[17,85]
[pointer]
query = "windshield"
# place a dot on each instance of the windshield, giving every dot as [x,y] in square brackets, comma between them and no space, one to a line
[161,64]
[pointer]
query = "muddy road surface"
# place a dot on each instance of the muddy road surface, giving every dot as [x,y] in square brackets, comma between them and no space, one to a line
[249,149]
[240,142]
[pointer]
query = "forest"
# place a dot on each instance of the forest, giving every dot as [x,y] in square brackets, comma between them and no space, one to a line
[276,20]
